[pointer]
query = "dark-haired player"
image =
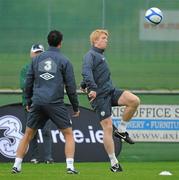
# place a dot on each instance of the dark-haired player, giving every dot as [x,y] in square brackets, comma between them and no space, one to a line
[48,75]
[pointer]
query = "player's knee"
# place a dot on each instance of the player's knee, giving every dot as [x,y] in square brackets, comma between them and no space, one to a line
[67,133]
[108,128]
[135,101]
[29,134]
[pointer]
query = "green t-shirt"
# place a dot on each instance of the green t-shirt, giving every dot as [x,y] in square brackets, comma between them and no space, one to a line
[22,79]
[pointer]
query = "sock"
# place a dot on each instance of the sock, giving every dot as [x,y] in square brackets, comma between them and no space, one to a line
[113,159]
[69,162]
[18,162]
[123,125]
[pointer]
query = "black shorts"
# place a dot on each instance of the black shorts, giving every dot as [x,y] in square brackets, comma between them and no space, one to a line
[57,113]
[103,104]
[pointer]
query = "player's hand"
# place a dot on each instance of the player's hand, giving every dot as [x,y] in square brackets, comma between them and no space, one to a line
[76,114]
[27,108]
[92,95]
[84,90]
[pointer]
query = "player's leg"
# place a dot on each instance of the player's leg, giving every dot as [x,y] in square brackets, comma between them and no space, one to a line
[22,149]
[34,149]
[69,149]
[35,120]
[33,146]
[102,106]
[59,115]
[131,102]
[108,139]
[109,143]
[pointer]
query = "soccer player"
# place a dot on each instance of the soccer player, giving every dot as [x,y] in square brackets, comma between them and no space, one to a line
[102,94]
[49,73]
[36,49]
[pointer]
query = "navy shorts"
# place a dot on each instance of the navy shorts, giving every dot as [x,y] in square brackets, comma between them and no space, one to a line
[103,104]
[57,113]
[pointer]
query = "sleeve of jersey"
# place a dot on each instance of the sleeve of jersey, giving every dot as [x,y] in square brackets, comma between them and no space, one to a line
[22,78]
[29,85]
[87,73]
[70,86]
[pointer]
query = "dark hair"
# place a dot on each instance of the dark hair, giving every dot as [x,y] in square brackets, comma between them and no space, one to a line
[55,38]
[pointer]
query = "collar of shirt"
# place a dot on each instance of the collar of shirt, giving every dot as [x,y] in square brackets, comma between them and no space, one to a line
[97,49]
[51,48]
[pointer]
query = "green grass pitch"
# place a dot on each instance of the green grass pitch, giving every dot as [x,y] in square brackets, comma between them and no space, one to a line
[95,171]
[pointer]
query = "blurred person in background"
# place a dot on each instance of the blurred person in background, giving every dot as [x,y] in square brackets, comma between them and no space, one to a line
[36,49]
[49,73]
[103,95]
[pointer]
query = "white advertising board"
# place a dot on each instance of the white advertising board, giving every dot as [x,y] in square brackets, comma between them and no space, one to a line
[152,123]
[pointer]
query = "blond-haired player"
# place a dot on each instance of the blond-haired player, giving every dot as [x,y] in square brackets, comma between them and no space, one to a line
[103,95]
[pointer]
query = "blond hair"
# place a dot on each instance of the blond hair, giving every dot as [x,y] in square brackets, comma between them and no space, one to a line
[96,34]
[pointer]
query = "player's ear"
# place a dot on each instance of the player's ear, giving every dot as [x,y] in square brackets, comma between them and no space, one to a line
[60,45]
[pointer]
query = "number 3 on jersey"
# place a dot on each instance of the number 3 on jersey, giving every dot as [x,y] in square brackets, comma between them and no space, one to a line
[48,65]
